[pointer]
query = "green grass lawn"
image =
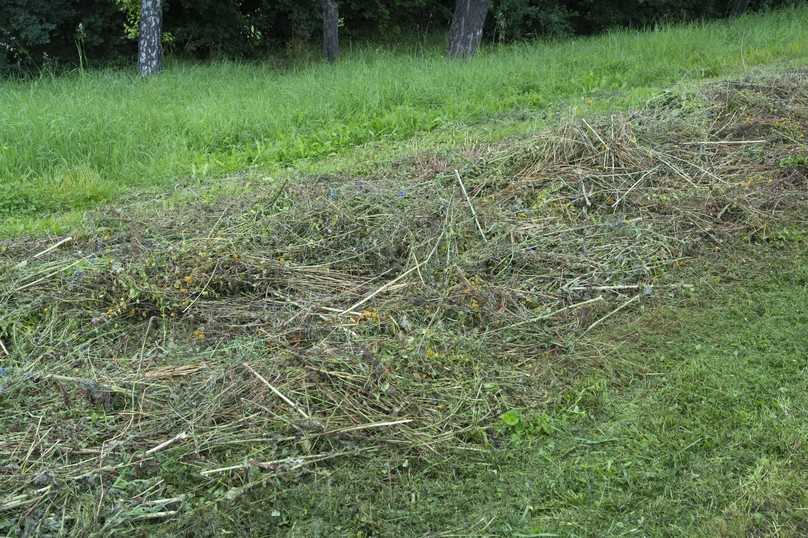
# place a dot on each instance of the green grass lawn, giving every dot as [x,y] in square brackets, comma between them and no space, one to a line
[71,143]
[699,428]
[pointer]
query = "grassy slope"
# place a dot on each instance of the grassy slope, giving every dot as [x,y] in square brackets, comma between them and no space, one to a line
[69,144]
[691,424]
[695,425]
[683,418]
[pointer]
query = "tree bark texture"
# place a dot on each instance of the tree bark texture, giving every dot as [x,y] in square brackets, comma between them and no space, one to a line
[330,29]
[740,7]
[150,49]
[466,31]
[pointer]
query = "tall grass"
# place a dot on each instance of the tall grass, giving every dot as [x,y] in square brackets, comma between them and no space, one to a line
[72,142]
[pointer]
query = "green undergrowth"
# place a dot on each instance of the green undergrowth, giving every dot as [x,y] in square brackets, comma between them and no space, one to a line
[72,143]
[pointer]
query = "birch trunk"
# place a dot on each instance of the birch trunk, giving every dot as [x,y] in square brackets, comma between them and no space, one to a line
[467,27]
[330,30]
[150,49]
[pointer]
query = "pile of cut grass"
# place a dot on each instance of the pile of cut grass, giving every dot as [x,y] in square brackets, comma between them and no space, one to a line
[72,143]
[177,360]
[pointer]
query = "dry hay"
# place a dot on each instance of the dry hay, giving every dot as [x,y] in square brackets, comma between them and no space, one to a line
[172,357]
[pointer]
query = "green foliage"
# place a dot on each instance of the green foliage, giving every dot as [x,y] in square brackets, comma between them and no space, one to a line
[511,419]
[27,27]
[521,19]
[795,161]
[596,15]
[205,28]
[131,9]
[39,32]
[44,32]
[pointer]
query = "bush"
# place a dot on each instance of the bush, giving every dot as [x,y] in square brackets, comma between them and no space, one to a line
[520,19]
[41,32]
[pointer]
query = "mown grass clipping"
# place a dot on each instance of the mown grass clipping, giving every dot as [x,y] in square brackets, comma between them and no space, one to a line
[163,362]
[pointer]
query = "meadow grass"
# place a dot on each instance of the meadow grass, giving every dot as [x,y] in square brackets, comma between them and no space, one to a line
[73,142]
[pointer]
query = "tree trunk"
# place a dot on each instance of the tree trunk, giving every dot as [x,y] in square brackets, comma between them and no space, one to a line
[467,27]
[330,29]
[740,7]
[150,49]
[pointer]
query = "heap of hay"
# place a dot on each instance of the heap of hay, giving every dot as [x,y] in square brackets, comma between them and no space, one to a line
[214,346]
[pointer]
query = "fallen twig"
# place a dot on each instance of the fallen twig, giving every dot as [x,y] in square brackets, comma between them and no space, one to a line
[154,515]
[53,247]
[204,289]
[283,465]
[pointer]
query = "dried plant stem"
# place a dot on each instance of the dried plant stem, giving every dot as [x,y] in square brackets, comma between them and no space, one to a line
[179,437]
[551,314]
[613,312]
[471,206]
[278,393]
[49,275]
[381,289]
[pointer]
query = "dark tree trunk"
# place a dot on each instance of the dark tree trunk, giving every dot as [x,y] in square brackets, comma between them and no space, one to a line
[330,29]
[150,49]
[467,27]
[740,7]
